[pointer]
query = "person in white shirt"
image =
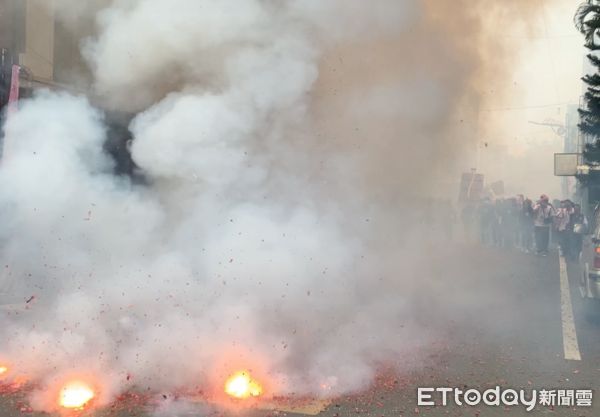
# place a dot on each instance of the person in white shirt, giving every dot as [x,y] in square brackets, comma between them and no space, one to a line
[579,226]
[562,220]
[543,214]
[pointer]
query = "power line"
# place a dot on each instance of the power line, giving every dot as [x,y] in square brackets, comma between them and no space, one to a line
[539,106]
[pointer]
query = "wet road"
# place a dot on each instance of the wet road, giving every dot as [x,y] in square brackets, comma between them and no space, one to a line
[509,327]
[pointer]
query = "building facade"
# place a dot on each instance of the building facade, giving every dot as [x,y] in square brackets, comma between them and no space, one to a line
[45,50]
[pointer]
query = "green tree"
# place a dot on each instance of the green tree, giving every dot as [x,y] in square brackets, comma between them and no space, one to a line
[587,21]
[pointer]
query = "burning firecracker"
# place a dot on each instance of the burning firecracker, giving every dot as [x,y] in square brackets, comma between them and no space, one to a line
[75,395]
[242,386]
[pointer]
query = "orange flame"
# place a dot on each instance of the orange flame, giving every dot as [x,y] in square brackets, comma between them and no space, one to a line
[241,385]
[75,395]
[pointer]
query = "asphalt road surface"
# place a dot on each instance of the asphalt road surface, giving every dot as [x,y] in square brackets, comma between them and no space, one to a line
[512,326]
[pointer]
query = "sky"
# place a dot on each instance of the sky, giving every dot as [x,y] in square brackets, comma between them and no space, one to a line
[549,59]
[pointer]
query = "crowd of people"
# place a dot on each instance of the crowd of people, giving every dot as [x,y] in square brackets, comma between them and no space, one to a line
[519,222]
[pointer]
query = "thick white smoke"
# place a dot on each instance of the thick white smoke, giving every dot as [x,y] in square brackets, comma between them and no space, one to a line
[245,248]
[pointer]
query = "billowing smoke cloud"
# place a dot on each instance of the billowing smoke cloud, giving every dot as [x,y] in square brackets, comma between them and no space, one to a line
[277,200]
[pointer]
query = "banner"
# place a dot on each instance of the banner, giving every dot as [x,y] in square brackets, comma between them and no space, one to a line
[497,188]
[12,105]
[13,97]
[471,187]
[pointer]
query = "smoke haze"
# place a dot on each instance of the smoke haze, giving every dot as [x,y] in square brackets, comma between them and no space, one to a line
[284,145]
